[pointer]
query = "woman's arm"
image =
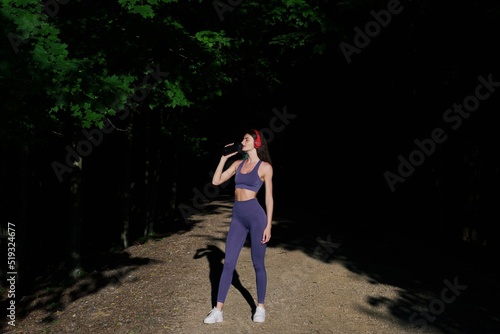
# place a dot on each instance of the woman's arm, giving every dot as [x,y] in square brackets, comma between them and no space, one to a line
[268,181]
[221,176]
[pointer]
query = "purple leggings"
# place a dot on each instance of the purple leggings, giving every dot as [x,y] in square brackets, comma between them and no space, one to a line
[248,216]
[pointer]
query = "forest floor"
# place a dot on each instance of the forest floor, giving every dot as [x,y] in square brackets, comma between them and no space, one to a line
[320,280]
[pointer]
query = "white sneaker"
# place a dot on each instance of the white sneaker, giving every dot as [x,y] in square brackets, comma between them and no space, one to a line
[260,314]
[214,316]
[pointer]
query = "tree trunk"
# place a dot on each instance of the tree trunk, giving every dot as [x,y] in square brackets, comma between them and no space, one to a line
[153,194]
[76,219]
[126,191]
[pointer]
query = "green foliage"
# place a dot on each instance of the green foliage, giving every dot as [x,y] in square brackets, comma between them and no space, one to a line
[176,97]
[213,40]
[88,58]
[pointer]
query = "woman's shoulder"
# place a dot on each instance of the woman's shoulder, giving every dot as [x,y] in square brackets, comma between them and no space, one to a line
[266,166]
[237,163]
[265,163]
[233,167]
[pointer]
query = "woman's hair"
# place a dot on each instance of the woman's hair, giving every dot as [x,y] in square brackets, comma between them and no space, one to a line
[263,150]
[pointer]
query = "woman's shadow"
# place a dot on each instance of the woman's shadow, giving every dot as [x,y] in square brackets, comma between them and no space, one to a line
[215,257]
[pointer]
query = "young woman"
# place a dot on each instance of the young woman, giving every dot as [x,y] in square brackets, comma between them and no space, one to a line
[248,217]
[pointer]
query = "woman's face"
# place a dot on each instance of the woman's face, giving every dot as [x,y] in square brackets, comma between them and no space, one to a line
[248,142]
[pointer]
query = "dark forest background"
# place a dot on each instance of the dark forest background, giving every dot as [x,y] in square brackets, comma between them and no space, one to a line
[114,114]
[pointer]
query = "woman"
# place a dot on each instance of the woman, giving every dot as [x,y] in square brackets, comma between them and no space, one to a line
[248,217]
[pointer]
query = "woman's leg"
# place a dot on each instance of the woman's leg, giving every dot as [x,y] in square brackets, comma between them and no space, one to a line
[234,243]
[258,249]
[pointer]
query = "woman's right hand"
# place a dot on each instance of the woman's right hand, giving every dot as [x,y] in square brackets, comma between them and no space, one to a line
[230,154]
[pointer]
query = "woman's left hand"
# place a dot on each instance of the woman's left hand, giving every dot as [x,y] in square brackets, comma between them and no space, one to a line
[266,236]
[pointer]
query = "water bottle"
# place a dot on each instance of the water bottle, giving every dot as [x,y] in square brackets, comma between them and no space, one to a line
[236,147]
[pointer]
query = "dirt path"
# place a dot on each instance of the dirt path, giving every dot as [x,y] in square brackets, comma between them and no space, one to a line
[167,286]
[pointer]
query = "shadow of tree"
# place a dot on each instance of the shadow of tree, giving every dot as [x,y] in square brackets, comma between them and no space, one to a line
[49,290]
[447,287]
[452,288]
[55,291]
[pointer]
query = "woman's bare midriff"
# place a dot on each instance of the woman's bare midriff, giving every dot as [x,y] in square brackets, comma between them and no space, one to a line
[241,195]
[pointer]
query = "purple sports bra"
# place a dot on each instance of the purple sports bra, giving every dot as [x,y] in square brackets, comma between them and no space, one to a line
[250,181]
